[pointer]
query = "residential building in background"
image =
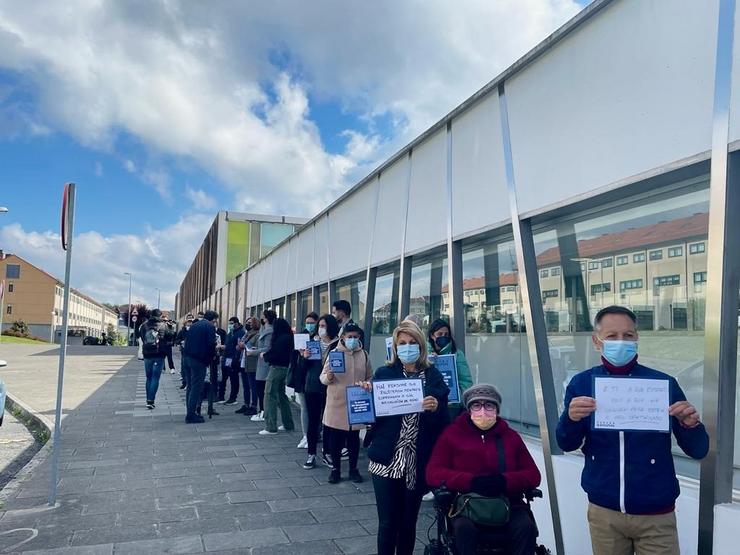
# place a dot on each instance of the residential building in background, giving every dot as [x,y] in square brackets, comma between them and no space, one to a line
[234,242]
[37,298]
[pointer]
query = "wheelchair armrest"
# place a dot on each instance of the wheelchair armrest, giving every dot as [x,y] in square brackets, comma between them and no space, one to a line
[532,494]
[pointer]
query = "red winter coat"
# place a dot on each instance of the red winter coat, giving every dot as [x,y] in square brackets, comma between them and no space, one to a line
[463,452]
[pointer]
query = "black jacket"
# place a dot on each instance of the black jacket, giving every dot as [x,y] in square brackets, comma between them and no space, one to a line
[201,342]
[231,340]
[387,429]
[311,370]
[280,351]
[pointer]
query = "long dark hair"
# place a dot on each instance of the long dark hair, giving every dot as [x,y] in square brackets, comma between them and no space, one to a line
[437,325]
[280,327]
[332,326]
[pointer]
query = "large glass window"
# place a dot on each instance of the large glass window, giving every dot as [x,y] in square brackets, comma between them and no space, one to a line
[495,343]
[385,312]
[429,298]
[304,304]
[354,290]
[323,300]
[669,308]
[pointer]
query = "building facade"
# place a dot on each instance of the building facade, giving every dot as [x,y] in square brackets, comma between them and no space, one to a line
[234,241]
[37,298]
[578,178]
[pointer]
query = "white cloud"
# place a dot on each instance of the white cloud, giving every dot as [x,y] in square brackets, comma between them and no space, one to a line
[199,81]
[200,199]
[158,258]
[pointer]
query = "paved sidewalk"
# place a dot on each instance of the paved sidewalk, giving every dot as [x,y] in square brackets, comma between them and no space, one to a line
[139,481]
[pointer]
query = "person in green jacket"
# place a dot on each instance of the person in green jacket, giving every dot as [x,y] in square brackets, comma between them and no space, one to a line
[441,342]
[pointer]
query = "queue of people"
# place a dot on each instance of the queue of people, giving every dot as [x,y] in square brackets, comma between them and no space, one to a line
[466,447]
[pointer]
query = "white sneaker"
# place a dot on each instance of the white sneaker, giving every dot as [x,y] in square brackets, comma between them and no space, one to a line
[303,444]
[259,417]
[428,497]
[281,428]
[266,433]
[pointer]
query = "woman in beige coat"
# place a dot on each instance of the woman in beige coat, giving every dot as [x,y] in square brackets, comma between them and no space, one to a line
[336,423]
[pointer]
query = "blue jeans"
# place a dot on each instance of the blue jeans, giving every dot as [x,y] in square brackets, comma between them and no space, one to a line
[153,368]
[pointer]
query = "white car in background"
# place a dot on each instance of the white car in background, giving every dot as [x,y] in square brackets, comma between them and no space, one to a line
[2,394]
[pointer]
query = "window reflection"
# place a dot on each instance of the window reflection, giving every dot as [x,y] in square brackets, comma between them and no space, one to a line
[640,256]
[385,312]
[354,290]
[429,287]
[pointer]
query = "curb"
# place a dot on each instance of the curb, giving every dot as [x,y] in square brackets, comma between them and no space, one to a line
[40,427]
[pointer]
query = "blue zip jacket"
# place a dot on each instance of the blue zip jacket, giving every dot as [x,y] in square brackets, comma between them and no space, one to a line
[648,483]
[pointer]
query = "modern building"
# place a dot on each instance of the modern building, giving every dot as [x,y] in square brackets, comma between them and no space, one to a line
[37,298]
[579,177]
[234,241]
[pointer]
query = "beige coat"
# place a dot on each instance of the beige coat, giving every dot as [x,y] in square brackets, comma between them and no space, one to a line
[357,369]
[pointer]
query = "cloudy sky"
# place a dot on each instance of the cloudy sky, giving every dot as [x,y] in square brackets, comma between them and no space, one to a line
[164,112]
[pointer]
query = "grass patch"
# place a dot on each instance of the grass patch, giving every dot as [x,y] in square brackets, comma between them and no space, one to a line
[23,340]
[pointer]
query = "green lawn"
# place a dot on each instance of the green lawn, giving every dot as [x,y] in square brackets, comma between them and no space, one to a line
[8,339]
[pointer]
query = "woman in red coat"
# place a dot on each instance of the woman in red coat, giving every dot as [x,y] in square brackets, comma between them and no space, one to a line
[465,459]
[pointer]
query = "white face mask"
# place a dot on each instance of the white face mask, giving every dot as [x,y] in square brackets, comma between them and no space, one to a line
[322,332]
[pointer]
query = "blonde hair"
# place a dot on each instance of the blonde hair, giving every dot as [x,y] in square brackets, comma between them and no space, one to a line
[410,328]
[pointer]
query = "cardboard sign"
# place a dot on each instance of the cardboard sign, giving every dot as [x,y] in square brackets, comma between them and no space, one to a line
[631,404]
[300,340]
[392,397]
[336,362]
[359,406]
[314,348]
[447,366]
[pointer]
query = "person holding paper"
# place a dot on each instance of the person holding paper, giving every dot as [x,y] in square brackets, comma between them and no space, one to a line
[480,453]
[252,401]
[264,341]
[629,476]
[356,369]
[441,342]
[278,357]
[297,372]
[327,332]
[400,445]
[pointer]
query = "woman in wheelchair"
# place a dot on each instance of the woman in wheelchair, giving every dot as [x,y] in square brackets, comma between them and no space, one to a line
[487,464]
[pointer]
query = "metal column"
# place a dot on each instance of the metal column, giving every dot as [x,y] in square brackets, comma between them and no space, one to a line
[405,273]
[371,272]
[454,260]
[544,387]
[720,339]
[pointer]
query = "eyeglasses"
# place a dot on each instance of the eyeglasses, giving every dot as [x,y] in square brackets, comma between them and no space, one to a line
[488,406]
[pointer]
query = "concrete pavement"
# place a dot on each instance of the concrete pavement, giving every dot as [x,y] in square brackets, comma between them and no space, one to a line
[139,481]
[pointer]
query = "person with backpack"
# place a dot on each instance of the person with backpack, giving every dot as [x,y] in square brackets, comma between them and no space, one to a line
[356,369]
[155,335]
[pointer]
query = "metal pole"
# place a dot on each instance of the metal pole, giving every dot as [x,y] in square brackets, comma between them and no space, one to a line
[159,292]
[62,348]
[128,316]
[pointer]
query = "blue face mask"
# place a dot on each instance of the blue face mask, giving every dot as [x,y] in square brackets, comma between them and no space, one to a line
[442,341]
[352,343]
[408,354]
[618,352]
[310,328]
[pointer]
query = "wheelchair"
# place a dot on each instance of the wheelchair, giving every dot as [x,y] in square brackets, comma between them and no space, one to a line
[489,543]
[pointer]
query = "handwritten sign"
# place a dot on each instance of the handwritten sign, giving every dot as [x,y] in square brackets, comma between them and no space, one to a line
[336,362]
[314,349]
[631,404]
[392,397]
[447,366]
[300,340]
[359,406]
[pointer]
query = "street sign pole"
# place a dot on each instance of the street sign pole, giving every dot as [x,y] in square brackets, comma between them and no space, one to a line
[68,216]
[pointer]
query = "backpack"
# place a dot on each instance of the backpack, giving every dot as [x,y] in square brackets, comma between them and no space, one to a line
[150,343]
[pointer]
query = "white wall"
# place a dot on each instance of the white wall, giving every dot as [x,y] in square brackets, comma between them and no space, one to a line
[726,526]
[392,206]
[479,195]
[627,92]
[320,245]
[428,208]
[351,226]
[306,249]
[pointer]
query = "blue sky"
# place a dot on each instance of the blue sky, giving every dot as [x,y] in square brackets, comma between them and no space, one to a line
[166,115]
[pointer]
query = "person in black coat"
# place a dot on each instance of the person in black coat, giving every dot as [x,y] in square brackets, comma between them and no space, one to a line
[278,357]
[400,446]
[199,350]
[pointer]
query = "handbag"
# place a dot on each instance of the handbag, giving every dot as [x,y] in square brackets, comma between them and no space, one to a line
[484,511]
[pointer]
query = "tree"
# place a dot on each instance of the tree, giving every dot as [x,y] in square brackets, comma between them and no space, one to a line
[112,333]
[21,328]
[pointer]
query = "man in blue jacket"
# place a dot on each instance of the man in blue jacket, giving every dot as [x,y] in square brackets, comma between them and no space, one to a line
[199,350]
[629,476]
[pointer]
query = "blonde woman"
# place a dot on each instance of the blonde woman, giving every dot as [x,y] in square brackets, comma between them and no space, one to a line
[402,445]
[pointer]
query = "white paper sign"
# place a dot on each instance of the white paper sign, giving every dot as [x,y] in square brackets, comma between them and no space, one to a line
[392,397]
[631,404]
[299,341]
